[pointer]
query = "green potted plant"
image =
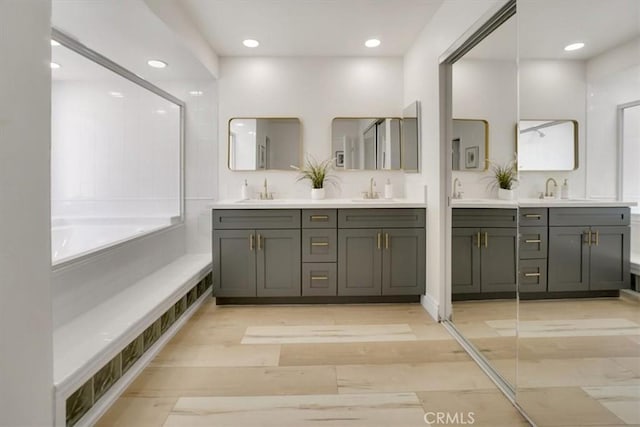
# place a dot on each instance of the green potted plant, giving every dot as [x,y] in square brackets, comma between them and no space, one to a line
[319,173]
[504,177]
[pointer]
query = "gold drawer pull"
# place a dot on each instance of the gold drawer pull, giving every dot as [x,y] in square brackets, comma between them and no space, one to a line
[379,238]
[478,241]
[319,278]
[386,240]
[597,238]
[531,274]
[319,244]
[536,216]
[533,241]
[250,242]
[319,217]
[486,239]
[259,242]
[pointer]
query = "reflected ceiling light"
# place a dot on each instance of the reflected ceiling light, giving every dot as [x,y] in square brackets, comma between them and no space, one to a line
[574,46]
[116,94]
[372,43]
[54,65]
[251,43]
[239,124]
[161,111]
[196,92]
[156,63]
[54,43]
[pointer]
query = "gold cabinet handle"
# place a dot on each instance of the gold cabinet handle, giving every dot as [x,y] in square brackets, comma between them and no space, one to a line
[319,217]
[531,274]
[319,244]
[533,241]
[379,237]
[536,216]
[478,241]
[250,242]
[386,240]
[588,233]
[486,239]
[597,238]
[319,278]
[259,242]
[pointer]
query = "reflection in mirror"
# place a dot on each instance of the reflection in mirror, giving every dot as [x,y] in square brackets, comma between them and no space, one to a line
[484,240]
[470,145]
[629,146]
[366,143]
[548,145]
[579,333]
[411,138]
[264,143]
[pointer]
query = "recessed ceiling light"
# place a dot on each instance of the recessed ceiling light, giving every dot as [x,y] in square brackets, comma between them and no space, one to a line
[195,92]
[54,43]
[161,111]
[156,63]
[574,46]
[372,43]
[251,43]
[54,65]
[116,94]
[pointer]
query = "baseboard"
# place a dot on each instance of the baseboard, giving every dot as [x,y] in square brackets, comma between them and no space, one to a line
[431,306]
[109,398]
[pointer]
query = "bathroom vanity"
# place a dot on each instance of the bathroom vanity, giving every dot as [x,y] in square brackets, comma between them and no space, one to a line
[565,248]
[325,251]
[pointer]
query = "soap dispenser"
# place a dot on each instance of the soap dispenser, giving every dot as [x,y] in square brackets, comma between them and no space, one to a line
[388,190]
[565,190]
[244,190]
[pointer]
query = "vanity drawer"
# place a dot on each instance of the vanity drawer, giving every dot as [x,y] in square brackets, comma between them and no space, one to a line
[488,217]
[533,242]
[319,245]
[588,216]
[319,279]
[381,218]
[319,218]
[533,275]
[239,219]
[532,217]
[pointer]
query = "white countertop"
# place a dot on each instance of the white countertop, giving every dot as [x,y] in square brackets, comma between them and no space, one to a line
[317,204]
[537,203]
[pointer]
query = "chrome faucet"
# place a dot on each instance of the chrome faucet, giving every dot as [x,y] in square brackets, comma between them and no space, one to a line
[548,193]
[456,184]
[370,194]
[265,195]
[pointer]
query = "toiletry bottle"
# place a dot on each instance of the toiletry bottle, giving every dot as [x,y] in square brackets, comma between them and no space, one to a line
[244,190]
[565,190]
[388,190]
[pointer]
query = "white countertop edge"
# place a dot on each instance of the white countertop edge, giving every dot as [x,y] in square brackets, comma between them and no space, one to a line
[537,203]
[318,204]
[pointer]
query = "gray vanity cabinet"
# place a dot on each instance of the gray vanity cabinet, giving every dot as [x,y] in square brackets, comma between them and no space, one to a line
[250,261]
[389,260]
[483,244]
[588,249]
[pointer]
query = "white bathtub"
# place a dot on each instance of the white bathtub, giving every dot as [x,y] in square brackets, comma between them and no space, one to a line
[74,237]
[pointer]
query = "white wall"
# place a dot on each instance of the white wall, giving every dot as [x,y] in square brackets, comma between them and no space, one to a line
[486,90]
[316,90]
[26,357]
[422,82]
[613,79]
[554,89]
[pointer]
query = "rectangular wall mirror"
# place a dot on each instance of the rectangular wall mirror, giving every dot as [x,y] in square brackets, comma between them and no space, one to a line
[470,145]
[366,143]
[548,145]
[264,143]
[411,138]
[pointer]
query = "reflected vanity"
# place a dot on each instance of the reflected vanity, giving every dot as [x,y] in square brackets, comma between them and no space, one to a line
[470,145]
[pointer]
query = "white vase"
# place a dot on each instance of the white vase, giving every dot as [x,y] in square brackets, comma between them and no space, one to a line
[504,194]
[317,193]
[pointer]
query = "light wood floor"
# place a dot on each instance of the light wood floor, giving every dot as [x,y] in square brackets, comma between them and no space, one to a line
[355,365]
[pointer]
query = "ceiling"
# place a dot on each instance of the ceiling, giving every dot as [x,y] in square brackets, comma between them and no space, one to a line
[311,27]
[542,28]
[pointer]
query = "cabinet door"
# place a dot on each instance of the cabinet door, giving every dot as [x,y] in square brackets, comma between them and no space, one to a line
[234,263]
[278,263]
[403,261]
[465,260]
[568,259]
[498,267]
[609,258]
[359,262]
